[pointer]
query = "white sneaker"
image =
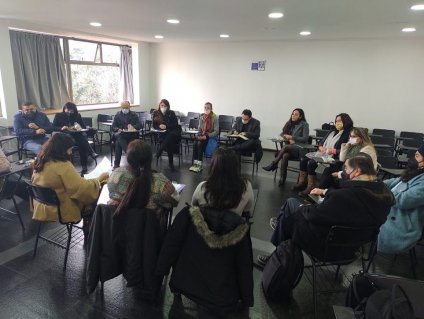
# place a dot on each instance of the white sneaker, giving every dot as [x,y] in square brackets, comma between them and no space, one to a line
[193,168]
[198,168]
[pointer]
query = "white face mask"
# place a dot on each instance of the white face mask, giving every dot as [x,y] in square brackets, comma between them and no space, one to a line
[125,111]
[163,110]
[353,140]
[245,121]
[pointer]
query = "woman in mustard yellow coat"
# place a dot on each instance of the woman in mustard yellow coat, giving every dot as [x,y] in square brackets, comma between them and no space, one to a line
[53,169]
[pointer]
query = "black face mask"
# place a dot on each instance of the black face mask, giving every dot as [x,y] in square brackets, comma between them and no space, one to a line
[412,163]
[344,176]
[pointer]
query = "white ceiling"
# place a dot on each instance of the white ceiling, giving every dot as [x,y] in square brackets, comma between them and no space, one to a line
[204,20]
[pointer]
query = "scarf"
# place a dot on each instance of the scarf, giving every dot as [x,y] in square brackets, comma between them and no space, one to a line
[353,150]
[207,123]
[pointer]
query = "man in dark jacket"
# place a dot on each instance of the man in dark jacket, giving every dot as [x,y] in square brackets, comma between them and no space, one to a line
[211,255]
[125,127]
[249,131]
[31,127]
[360,201]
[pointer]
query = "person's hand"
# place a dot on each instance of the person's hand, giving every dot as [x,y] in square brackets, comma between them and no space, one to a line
[335,174]
[162,126]
[287,136]
[292,141]
[322,149]
[243,134]
[64,128]
[329,151]
[131,128]
[119,130]
[33,126]
[317,191]
[103,177]
[40,131]
[235,132]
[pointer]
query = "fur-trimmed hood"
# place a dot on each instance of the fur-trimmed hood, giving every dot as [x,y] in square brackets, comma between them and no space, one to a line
[219,229]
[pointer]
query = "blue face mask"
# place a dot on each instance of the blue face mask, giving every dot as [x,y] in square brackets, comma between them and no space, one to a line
[125,111]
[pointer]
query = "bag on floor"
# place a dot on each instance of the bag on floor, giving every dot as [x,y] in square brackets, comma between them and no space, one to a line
[358,292]
[389,304]
[211,146]
[283,271]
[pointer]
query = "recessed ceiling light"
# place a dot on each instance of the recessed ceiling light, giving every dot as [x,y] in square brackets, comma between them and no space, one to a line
[224,36]
[95,24]
[173,21]
[158,36]
[409,30]
[417,7]
[275,15]
[305,33]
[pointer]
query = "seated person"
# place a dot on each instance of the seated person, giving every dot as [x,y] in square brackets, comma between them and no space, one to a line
[330,145]
[165,119]
[53,169]
[208,127]
[361,201]
[124,125]
[224,185]
[4,162]
[31,127]
[404,225]
[295,131]
[70,121]
[248,127]
[130,182]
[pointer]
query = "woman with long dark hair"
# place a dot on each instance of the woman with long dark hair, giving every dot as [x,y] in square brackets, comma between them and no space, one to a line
[224,188]
[295,131]
[138,186]
[53,169]
[165,119]
[70,121]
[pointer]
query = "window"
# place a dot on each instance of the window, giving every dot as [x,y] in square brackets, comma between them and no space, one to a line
[93,71]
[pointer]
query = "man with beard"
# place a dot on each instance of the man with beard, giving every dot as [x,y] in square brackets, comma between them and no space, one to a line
[359,201]
[31,127]
[404,225]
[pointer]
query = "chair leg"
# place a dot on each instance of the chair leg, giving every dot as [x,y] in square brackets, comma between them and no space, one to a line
[413,261]
[371,254]
[69,228]
[36,239]
[18,213]
[337,273]
[314,287]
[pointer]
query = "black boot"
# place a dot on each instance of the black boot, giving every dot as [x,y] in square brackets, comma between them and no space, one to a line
[171,162]
[271,167]
[282,180]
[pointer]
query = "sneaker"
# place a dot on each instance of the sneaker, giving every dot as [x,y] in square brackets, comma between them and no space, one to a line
[193,168]
[198,168]
[273,222]
[262,259]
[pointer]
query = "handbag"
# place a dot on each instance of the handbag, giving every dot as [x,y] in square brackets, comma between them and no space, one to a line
[211,146]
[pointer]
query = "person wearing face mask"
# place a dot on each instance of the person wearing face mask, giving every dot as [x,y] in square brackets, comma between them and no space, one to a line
[125,125]
[295,131]
[165,119]
[404,225]
[330,145]
[360,201]
[250,128]
[53,169]
[65,122]
[208,127]
[31,127]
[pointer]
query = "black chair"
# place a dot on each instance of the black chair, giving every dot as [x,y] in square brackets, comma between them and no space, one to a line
[49,197]
[384,143]
[350,240]
[388,166]
[383,132]
[410,141]
[225,126]
[193,115]
[189,138]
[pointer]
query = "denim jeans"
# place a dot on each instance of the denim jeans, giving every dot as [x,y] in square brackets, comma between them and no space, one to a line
[35,144]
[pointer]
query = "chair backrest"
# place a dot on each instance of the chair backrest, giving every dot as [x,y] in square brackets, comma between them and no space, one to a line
[88,121]
[225,119]
[193,115]
[414,135]
[383,140]
[184,120]
[388,161]
[416,143]
[46,196]
[383,132]
[103,118]
[193,124]
[349,238]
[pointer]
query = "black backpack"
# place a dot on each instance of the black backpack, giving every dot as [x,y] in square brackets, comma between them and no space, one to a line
[358,292]
[328,126]
[283,271]
[389,304]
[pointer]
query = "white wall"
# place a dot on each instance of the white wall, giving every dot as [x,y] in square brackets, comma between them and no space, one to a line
[380,83]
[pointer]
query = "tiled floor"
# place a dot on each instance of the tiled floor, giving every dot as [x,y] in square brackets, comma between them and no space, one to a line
[38,288]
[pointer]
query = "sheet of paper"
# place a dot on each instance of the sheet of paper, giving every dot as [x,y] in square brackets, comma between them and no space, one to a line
[102,167]
[178,187]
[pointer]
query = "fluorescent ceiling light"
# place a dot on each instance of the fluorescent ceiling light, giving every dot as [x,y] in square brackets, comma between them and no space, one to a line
[305,33]
[173,21]
[409,30]
[95,24]
[275,15]
[158,36]
[417,7]
[224,36]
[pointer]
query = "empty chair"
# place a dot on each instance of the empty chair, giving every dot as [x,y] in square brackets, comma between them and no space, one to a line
[225,126]
[383,132]
[383,142]
[104,124]
[193,115]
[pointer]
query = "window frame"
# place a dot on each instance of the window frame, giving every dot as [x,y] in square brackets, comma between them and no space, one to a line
[69,62]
